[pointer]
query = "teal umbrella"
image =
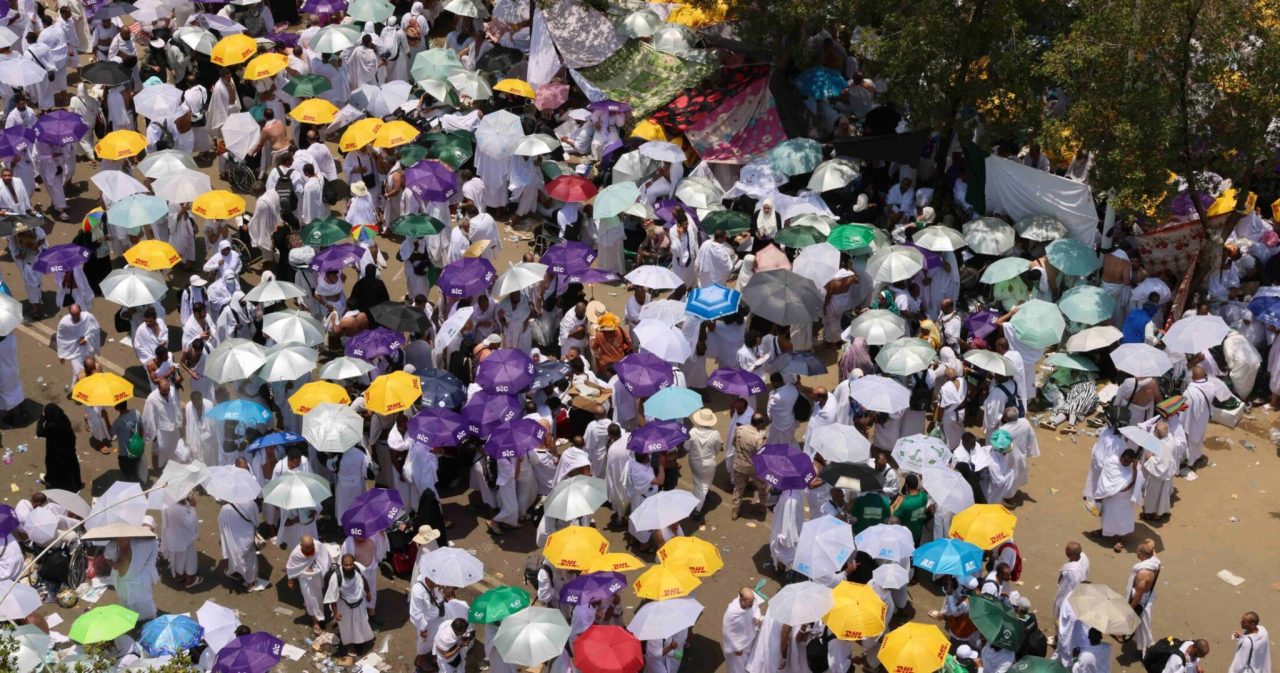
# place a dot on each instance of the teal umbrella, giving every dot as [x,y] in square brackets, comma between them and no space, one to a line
[435,64]
[998,623]
[137,211]
[798,236]
[307,86]
[1072,257]
[1005,268]
[1037,665]
[674,403]
[1072,361]
[1038,324]
[370,11]
[1086,305]
[614,199]
[906,356]
[796,156]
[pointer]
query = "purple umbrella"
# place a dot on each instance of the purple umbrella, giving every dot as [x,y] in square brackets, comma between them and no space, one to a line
[1183,206]
[506,370]
[467,277]
[16,140]
[4,8]
[644,373]
[60,258]
[784,467]
[286,39]
[516,438]
[980,324]
[60,127]
[8,520]
[932,260]
[431,180]
[599,586]
[486,411]
[590,276]
[335,257]
[736,382]
[568,257]
[437,427]
[324,6]
[609,106]
[657,437]
[666,208]
[377,342]
[372,512]
[254,653]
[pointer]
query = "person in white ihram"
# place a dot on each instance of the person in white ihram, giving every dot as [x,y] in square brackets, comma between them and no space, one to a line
[1253,647]
[739,629]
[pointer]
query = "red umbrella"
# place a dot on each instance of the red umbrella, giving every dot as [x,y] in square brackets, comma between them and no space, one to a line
[571,189]
[607,649]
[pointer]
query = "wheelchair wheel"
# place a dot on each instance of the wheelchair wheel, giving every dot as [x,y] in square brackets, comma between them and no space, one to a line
[242,178]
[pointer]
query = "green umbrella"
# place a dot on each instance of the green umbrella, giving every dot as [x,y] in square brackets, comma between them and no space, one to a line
[1072,257]
[325,231]
[102,624]
[307,86]
[412,154]
[799,236]
[370,11]
[1038,324]
[852,236]
[614,199]
[729,221]
[462,138]
[1072,361]
[435,64]
[998,623]
[796,156]
[440,90]
[1086,304]
[454,149]
[906,356]
[417,225]
[1005,268]
[1031,664]
[497,604]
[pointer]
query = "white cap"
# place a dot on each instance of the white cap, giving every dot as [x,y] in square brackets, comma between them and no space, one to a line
[965,652]
[492,340]
[971,583]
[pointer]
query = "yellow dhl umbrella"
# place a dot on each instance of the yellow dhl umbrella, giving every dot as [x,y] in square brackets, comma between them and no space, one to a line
[314,111]
[615,562]
[649,130]
[218,204]
[575,547]
[102,390]
[914,648]
[313,394]
[1227,202]
[515,87]
[858,612]
[395,134]
[696,17]
[264,66]
[693,554]
[392,393]
[233,50]
[152,255]
[663,581]
[359,134]
[120,145]
[984,525]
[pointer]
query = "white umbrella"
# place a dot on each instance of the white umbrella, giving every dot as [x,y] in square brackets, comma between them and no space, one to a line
[232,484]
[241,134]
[10,314]
[889,542]
[801,603]
[906,356]
[34,649]
[333,428]
[614,200]
[72,502]
[989,236]
[299,490]
[1143,439]
[520,277]
[219,624]
[342,368]
[663,340]
[575,497]
[334,39]
[639,24]
[938,238]
[666,310]
[826,543]
[7,38]
[159,102]
[914,453]
[838,443]
[532,636]
[1093,338]
[21,600]
[661,150]
[132,287]
[41,526]
[654,277]
[672,38]
[699,192]
[271,290]
[288,361]
[819,263]
[293,327]
[832,174]
[536,145]
[990,361]
[179,479]
[1040,228]
[1141,360]
[895,263]
[389,97]
[1100,607]
[199,39]
[452,567]
[880,393]
[878,326]
[663,509]
[658,620]
[122,503]
[472,8]
[116,185]
[234,360]
[1195,333]
[948,489]
[890,576]
[19,72]
[632,167]
[182,186]
[471,84]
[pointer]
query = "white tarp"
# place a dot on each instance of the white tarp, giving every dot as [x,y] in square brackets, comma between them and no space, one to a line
[544,63]
[1018,191]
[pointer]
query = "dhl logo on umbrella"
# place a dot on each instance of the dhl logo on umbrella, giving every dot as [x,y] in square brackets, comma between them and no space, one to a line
[232,211]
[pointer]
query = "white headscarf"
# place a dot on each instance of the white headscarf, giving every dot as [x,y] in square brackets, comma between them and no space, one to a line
[766,219]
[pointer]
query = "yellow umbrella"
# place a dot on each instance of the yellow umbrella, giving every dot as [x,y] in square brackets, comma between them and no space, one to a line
[264,66]
[697,17]
[152,255]
[914,648]
[233,50]
[102,390]
[649,130]
[663,581]
[517,87]
[615,562]
[359,134]
[858,613]
[694,554]
[316,393]
[984,525]
[314,111]
[392,393]
[120,144]
[218,204]
[575,547]
[395,134]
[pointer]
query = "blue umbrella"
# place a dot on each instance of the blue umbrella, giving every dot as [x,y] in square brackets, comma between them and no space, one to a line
[796,156]
[276,439]
[170,634]
[820,83]
[442,389]
[137,210]
[241,411]
[713,301]
[1266,310]
[672,404]
[948,557]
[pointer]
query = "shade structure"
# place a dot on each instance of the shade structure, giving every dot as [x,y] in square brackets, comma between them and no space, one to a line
[663,509]
[838,443]
[858,612]
[1004,269]
[988,236]
[1087,305]
[1038,324]
[531,636]
[1141,360]
[915,453]
[895,263]
[235,360]
[300,490]
[914,648]
[393,393]
[333,428]
[1093,338]
[990,361]
[1100,607]
[664,582]
[451,567]
[783,297]
[606,648]
[103,389]
[948,488]
[712,302]
[879,393]
[889,542]
[801,603]
[497,604]
[984,525]
[938,238]
[948,557]
[575,497]
[1195,333]
[878,326]
[1072,257]
[826,543]
[693,554]
[906,356]
[573,547]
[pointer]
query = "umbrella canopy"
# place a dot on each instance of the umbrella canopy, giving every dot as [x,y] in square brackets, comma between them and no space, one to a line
[888,542]
[989,236]
[799,236]
[796,156]
[663,509]
[672,404]
[915,453]
[103,389]
[1040,228]
[296,327]
[372,512]
[990,361]
[170,634]
[1072,257]
[485,411]
[819,263]
[615,562]
[783,297]
[640,23]
[998,623]
[895,263]
[137,211]
[506,370]
[654,277]
[451,567]
[307,86]
[417,224]
[342,368]
[264,66]
[316,393]
[699,192]
[232,484]
[20,600]
[241,411]
[519,277]
[801,603]
[531,636]
[712,302]
[541,143]
[644,374]
[662,339]
[729,221]
[334,39]
[1071,361]
[826,543]
[467,277]
[848,237]
[108,73]
[395,133]
[182,186]
[858,612]
[1038,323]
[1004,269]
[10,314]
[914,648]
[61,258]
[938,238]
[299,490]
[438,427]
[101,624]
[590,587]
[63,127]
[664,582]
[984,525]
[497,604]
[736,382]
[515,438]
[233,50]
[607,648]
[948,557]
[333,428]
[1030,664]
[288,362]
[1093,338]
[574,547]
[392,393]
[657,437]
[218,204]
[219,624]
[820,83]
[1141,360]
[879,393]
[571,189]
[1088,305]
[1100,607]
[235,360]
[575,497]
[832,174]
[878,326]
[663,619]
[948,489]
[783,467]
[906,356]
[378,342]
[123,503]
[838,443]
[1195,333]
[252,653]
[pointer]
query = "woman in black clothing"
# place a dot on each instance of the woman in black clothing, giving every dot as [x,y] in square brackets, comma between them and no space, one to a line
[61,465]
[430,514]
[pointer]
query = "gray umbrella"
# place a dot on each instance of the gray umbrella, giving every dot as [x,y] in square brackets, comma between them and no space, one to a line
[783,297]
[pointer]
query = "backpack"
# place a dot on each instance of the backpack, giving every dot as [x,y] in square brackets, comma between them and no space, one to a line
[334,191]
[815,651]
[1159,653]
[286,191]
[166,140]
[1012,398]
[1015,573]
[413,32]
[921,394]
[533,564]
[136,444]
[802,409]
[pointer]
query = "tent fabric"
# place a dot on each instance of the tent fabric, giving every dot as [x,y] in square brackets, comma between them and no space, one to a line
[1169,251]
[1018,191]
[643,77]
[583,36]
[544,63]
[901,148]
[693,103]
[746,125]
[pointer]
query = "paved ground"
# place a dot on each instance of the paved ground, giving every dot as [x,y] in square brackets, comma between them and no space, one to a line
[1225,520]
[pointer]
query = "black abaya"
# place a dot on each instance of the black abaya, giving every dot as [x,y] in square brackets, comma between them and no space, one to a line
[61,465]
[430,514]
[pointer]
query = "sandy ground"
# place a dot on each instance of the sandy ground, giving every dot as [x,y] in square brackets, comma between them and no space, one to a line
[1225,520]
